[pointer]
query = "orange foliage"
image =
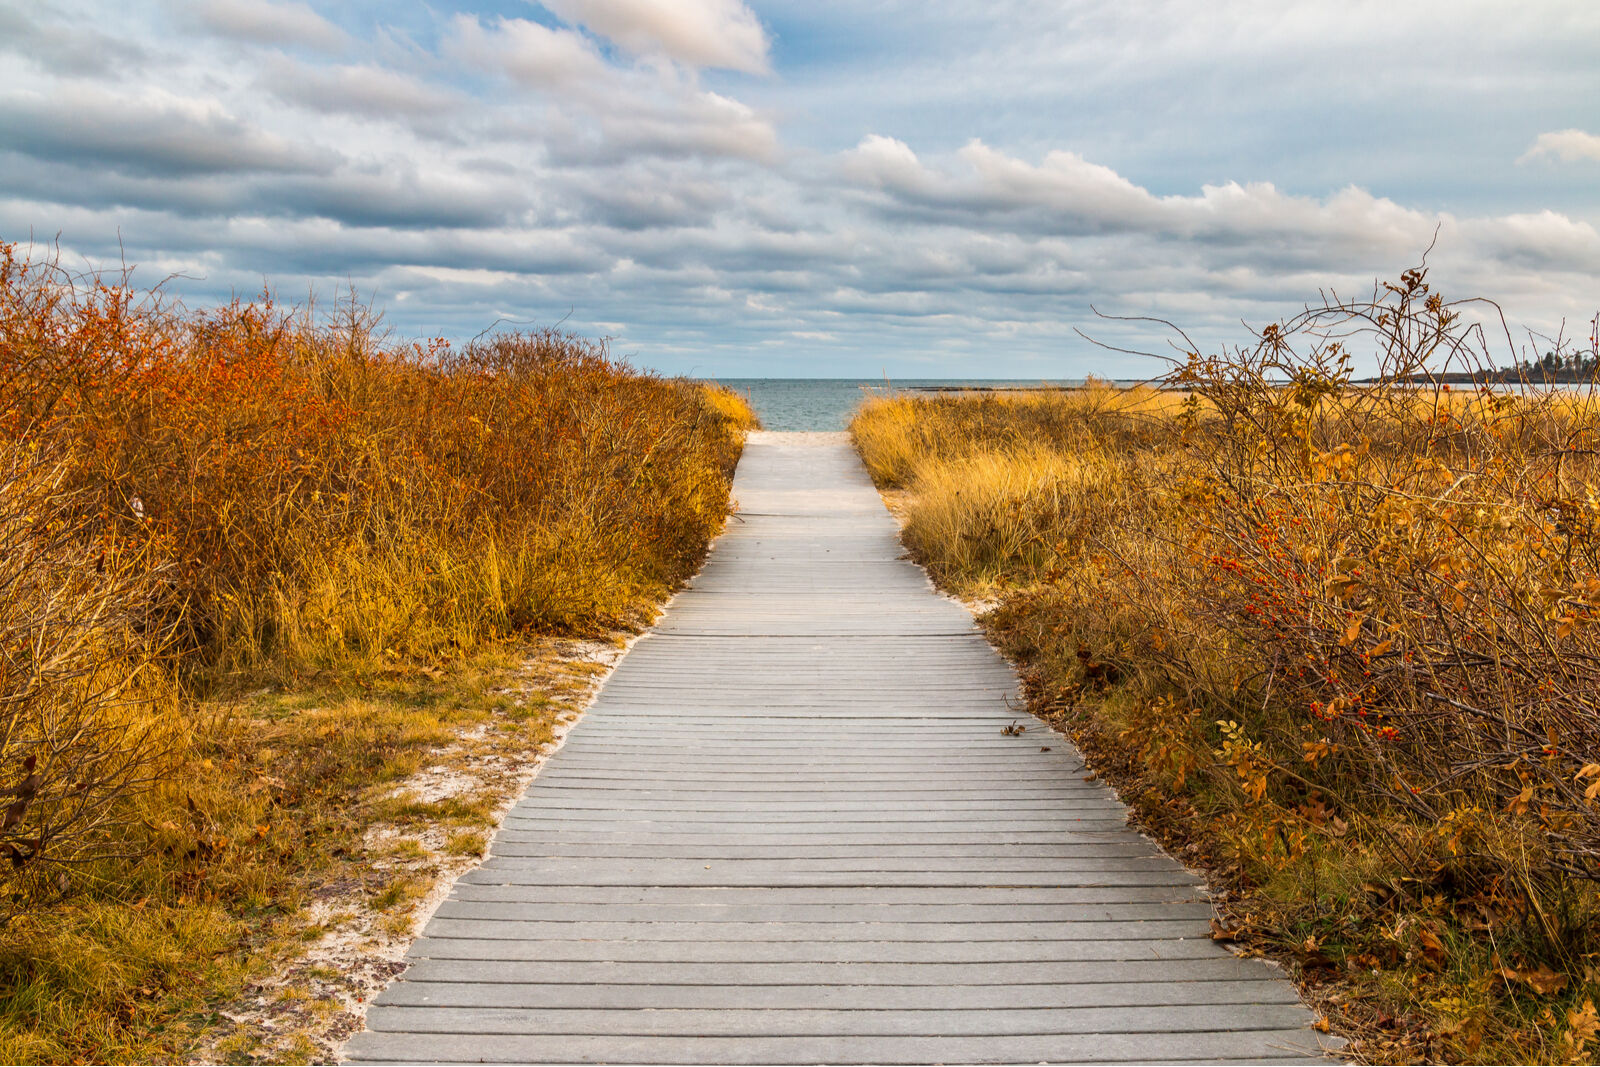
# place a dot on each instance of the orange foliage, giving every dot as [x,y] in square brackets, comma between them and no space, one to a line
[282,466]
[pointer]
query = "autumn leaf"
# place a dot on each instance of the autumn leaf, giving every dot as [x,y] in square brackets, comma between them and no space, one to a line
[1584,1023]
[1518,805]
[1318,749]
[1540,979]
[1432,947]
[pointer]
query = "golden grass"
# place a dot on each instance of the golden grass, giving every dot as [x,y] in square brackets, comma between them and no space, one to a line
[1333,640]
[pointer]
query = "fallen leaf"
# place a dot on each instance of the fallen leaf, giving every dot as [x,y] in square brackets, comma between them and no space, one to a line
[1432,947]
[1540,979]
[1584,1024]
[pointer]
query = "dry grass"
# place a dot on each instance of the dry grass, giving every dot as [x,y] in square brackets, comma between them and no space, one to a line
[1333,639]
[196,504]
[306,827]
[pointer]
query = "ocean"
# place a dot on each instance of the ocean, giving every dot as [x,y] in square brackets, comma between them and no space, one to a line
[827,403]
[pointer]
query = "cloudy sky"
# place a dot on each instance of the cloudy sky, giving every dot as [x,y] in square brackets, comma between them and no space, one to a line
[816,187]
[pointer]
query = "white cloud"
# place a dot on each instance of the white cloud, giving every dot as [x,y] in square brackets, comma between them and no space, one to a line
[1067,194]
[887,163]
[1565,145]
[599,112]
[689,122]
[156,132]
[265,22]
[534,55]
[1543,240]
[62,47]
[698,33]
[356,90]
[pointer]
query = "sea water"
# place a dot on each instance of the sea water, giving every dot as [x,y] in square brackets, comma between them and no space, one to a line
[828,403]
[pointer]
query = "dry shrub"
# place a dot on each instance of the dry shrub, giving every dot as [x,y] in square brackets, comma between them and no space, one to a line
[81,693]
[323,499]
[1339,633]
[1415,571]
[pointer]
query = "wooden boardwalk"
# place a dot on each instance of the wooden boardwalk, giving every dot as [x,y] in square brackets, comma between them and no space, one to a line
[790,830]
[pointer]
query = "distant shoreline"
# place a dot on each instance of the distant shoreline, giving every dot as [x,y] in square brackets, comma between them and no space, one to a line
[1043,387]
[1500,377]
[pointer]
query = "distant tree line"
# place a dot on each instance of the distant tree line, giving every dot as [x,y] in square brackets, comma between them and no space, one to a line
[1553,362]
[1564,362]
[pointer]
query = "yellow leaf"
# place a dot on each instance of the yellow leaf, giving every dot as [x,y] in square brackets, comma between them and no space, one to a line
[1519,803]
[1584,1023]
[1352,631]
[1318,749]
[1381,647]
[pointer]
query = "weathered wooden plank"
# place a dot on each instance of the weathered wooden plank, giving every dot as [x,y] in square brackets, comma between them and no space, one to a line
[555,841]
[709,877]
[869,896]
[1129,860]
[978,962]
[1066,816]
[1108,844]
[657,995]
[1056,973]
[519,929]
[864,1022]
[471,1047]
[602,793]
[940,914]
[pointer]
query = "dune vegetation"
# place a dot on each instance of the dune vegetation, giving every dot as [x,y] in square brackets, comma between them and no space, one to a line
[256,563]
[1334,640]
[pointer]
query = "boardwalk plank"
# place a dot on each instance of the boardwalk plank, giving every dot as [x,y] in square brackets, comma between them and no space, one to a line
[1053,972]
[829,1022]
[909,962]
[658,995]
[471,1047]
